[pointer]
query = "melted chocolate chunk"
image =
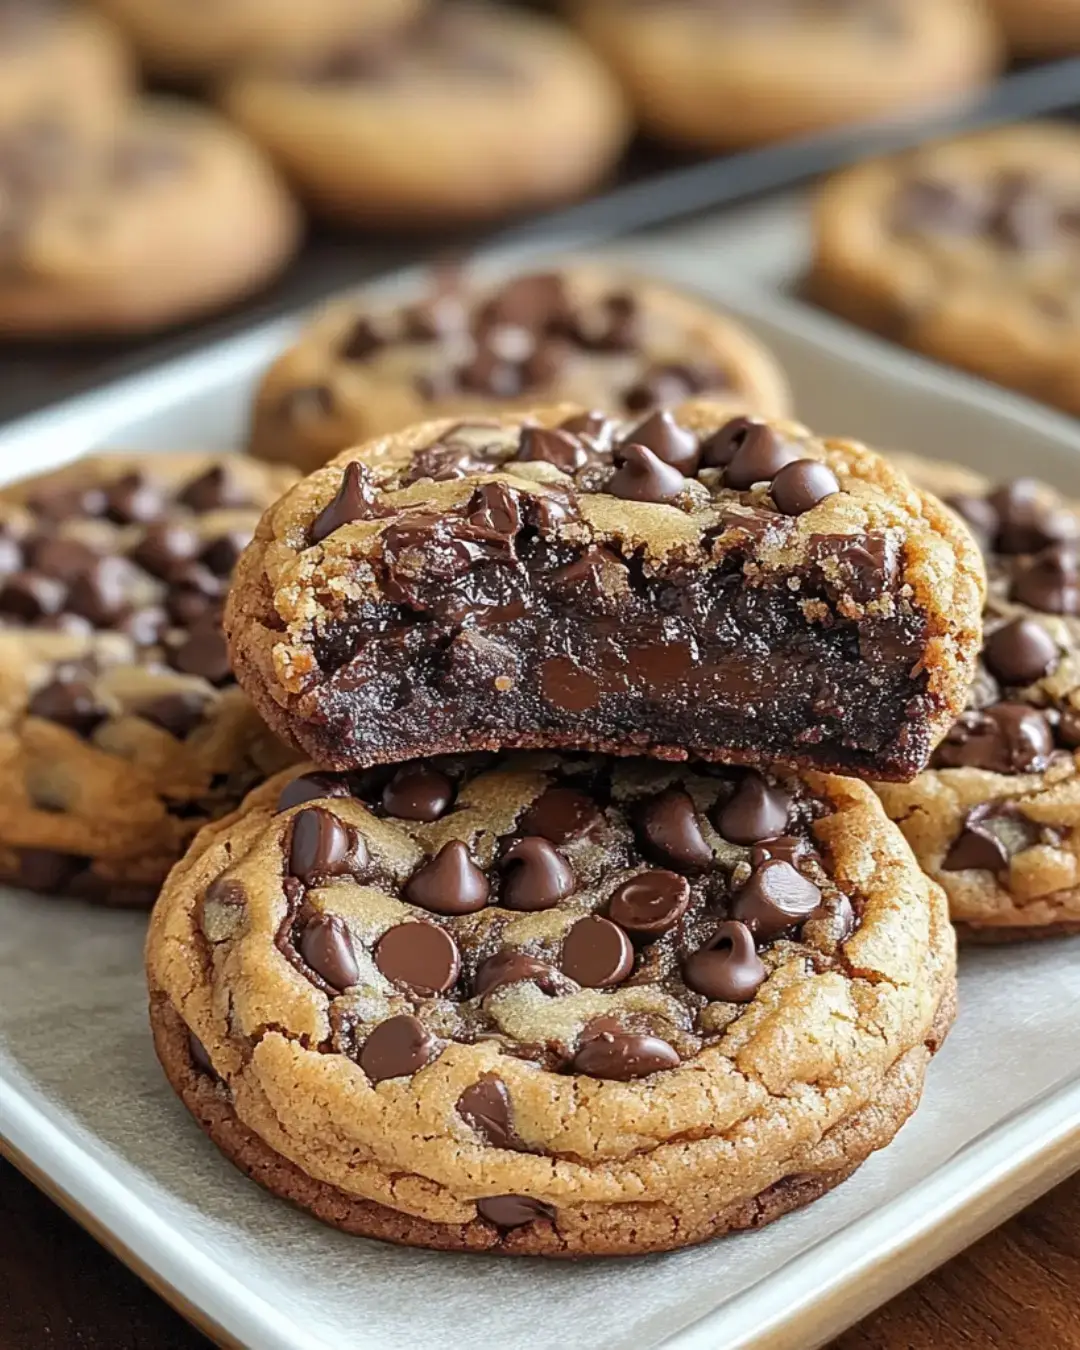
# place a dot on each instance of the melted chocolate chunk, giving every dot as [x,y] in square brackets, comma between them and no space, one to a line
[486,1108]
[1006,738]
[624,1056]
[650,904]
[397,1048]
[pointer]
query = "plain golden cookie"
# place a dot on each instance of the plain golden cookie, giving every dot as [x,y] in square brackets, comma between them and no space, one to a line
[171,215]
[968,251]
[181,40]
[717,75]
[121,729]
[559,1006]
[471,115]
[996,819]
[583,334]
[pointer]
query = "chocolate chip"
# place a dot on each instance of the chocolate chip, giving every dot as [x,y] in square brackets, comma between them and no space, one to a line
[353,501]
[323,846]
[223,553]
[133,500]
[494,510]
[650,903]
[976,847]
[930,205]
[859,565]
[756,811]
[670,832]
[1020,652]
[489,375]
[623,1055]
[63,559]
[420,955]
[596,953]
[668,441]
[800,485]
[721,447]
[486,1108]
[100,594]
[397,1047]
[759,458]
[1023,217]
[1050,581]
[788,848]
[978,514]
[642,477]
[440,316]
[560,814]
[451,883]
[727,969]
[30,595]
[593,425]
[178,714]
[559,448]
[1026,521]
[326,946]
[310,787]
[200,1059]
[163,548]
[362,340]
[204,653]
[62,503]
[69,703]
[535,876]
[670,383]
[511,1211]
[775,897]
[215,490]
[418,792]
[612,327]
[532,302]
[1005,738]
[510,967]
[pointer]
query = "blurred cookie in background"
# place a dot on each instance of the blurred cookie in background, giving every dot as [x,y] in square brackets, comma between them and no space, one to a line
[472,113]
[721,74]
[184,40]
[1040,27]
[968,251]
[585,334]
[171,215]
[59,62]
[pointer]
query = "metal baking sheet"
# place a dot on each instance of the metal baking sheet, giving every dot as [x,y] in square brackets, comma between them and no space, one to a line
[85,1110]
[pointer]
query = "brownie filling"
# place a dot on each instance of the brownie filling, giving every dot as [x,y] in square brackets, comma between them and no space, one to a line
[486,629]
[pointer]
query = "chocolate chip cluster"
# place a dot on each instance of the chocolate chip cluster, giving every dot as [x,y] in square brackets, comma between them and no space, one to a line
[515,344]
[685,886]
[1017,211]
[1019,716]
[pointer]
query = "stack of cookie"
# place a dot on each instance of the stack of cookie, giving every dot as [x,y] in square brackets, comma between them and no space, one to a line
[571,939]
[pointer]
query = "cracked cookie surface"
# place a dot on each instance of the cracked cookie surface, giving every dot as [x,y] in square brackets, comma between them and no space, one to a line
[967,250]
[582,334]
[121,729]
[996,818]
[557,1005]
[690,584]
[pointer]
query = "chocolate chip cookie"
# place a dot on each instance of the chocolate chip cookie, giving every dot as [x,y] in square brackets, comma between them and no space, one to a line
[121,729]
[182,42]
[60,63]
[171,215]
[996,819]
[719,74]
[1040,27]
[968,251]
[469,115]
[584,334]
[562,1006]
[684,584]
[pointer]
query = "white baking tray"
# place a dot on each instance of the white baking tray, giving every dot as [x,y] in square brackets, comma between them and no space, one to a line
[85,1111]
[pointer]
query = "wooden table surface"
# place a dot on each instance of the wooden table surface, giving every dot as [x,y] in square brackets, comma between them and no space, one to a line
[1018,1289]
